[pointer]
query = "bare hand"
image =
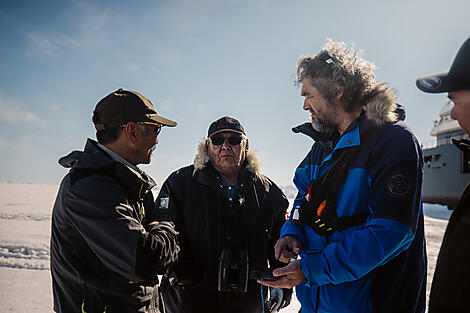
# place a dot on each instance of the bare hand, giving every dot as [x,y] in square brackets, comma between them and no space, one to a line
[287,248]
[292,275]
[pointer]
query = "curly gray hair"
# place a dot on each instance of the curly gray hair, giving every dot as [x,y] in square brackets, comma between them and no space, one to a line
[339,68]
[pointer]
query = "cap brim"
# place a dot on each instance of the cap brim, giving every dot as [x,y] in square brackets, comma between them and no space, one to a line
[226,130]
[434,83]
[161,120]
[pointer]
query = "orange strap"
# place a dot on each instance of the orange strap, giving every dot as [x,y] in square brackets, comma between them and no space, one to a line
[321,207]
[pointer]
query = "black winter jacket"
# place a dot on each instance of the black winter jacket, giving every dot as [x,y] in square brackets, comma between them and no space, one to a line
[451,284]
[207,224]
[104,255]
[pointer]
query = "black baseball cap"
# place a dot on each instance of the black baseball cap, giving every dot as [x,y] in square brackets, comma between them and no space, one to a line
[123,106]
[225,124]
[458,77]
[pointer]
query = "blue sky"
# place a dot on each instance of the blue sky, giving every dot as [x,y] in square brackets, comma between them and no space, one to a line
[197,61]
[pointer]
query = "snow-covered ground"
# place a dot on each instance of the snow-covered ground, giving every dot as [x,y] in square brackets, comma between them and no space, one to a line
[25,209]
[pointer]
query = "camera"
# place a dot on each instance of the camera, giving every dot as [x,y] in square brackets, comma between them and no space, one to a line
[265,275]
[233,271]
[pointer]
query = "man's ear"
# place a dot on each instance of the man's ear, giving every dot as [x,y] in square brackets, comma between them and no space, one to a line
[340,94]
[130,131]
[247,145]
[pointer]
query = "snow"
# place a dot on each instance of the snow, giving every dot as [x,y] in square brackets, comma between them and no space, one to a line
[25,217]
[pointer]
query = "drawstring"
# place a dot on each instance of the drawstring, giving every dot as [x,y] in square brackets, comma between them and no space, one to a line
[262,296]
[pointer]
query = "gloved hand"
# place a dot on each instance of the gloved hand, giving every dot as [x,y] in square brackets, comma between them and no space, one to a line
[286,298]
[276,296]
[278,299]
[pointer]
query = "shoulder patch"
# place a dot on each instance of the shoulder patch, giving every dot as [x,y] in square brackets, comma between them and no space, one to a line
[398,185]
[164,203]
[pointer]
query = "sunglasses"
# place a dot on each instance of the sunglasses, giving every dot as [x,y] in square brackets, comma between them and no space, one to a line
[219,140]
[325,57]
[157,129]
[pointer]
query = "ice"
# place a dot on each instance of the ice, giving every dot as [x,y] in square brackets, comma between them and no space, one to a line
[25,217]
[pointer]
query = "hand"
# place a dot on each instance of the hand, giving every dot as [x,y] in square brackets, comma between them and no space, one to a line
[287,248]
[292,275]
[276,297]
[287,297]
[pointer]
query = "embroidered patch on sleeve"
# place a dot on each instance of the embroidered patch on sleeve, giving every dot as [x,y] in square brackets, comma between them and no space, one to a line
[398,185]
[164,203]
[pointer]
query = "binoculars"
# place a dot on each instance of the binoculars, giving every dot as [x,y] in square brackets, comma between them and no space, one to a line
[233,271]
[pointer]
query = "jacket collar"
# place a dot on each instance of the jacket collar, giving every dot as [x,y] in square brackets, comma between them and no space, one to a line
[93,157]
[251,168]
[380,108]
[462,144]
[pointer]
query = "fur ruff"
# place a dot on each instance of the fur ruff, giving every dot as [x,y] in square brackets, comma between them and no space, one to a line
[381,106]
[253,162]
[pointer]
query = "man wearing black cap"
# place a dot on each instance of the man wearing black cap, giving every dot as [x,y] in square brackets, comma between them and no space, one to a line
[228,215]
[106,246]
[450,287]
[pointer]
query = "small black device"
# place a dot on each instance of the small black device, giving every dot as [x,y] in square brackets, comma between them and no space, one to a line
[233,271]
[266,275]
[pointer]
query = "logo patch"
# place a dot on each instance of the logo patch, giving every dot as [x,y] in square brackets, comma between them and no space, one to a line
[431,83]
[164,203]
[398,185]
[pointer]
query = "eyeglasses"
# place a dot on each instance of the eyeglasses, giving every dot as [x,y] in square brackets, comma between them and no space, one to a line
[219,140]
[157,129]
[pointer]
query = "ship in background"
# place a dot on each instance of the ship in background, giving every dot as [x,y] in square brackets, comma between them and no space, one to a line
[446,168]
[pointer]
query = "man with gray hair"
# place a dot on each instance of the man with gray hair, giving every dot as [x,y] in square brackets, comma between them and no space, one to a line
[355,238]
[229,216]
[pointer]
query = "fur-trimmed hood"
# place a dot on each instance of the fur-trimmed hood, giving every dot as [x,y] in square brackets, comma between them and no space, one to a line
[381,106]
[202,158]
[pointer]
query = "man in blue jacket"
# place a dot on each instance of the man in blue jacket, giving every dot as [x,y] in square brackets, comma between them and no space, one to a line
[355,238]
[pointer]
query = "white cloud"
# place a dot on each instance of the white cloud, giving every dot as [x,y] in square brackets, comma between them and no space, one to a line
[49,44]
[12,112]
[87,34]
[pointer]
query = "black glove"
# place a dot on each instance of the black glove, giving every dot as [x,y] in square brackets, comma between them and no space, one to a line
[286,298]
[278,299]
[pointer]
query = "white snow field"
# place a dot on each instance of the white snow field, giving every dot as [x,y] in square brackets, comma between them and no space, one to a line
[25,217]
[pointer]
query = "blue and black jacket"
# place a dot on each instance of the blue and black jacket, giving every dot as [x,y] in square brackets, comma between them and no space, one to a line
[380,265]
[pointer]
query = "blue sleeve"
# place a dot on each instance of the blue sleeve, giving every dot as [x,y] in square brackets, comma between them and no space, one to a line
[394,201]
[290,229]
[357,253]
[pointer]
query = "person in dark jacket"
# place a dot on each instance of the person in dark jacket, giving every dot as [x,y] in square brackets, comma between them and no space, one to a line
[106,246]
[355,236]
[228,215]
[450,286]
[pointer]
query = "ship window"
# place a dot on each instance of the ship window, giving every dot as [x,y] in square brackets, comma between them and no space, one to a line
[432,158]
[465,162]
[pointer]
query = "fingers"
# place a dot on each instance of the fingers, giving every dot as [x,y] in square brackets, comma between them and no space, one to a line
[286,256]
[287,248]
[283,282]
[291,275]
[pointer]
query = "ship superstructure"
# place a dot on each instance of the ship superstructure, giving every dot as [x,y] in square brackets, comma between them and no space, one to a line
[446,168]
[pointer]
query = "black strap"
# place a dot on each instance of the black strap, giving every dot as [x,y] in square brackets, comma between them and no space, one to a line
[324,194]
[335,176]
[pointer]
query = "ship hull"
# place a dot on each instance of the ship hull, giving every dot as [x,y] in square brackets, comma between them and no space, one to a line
[443,179]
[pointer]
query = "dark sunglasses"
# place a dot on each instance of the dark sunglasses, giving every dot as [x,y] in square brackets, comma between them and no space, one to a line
[219,140]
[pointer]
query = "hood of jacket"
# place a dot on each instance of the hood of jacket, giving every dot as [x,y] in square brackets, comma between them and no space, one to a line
[379,109]
[252,161]
[92,157]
